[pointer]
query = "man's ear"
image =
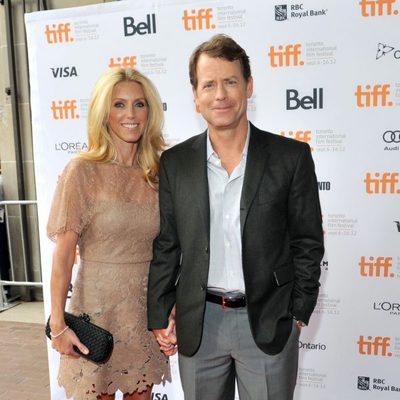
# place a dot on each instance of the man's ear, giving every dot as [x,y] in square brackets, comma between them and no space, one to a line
[249,87]
[195,98]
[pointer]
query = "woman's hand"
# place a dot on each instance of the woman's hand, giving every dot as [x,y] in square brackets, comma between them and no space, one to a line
[65,343]
[166,338]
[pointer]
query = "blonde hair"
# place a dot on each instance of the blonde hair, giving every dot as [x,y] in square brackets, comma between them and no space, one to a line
[100,145]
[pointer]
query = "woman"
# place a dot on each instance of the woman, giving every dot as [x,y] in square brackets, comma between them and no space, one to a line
[106,201]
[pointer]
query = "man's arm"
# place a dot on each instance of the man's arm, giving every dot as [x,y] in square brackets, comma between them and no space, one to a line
[166,256]
[306,236]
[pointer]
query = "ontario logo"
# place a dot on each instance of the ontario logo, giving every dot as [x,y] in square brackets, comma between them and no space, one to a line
[384,49]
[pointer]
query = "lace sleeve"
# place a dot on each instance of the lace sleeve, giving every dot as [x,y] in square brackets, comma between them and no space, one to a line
[70,206]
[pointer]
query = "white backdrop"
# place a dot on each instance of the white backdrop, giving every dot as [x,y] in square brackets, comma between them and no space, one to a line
[325,72]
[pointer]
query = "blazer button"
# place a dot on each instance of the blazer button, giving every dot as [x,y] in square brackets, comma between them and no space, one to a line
[203,288]
[206,249]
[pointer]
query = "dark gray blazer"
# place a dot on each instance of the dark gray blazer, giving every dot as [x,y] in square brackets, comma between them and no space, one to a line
[282,239]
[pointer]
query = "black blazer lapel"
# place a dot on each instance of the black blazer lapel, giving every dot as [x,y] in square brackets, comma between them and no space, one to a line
[197,165]
[257,158]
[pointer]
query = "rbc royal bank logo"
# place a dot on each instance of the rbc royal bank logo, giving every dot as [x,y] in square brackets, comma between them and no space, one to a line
[363,383]
[281,12]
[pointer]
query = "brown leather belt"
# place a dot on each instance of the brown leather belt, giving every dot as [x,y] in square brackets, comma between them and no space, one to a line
[227,301]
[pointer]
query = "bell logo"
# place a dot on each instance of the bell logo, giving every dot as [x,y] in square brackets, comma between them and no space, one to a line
[58,33]
[64,109]
[198,20]
[142,28]
[288,57]
[316,101]
[376,267]
[377,346]
[371,8]
[378,94]
[301,136]
[125,62]
[382,183]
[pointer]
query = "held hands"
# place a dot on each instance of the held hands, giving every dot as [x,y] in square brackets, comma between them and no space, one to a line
[64,342]
[166,338]
[300,324]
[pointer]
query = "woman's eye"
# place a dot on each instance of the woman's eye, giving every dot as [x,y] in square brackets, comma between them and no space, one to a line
[140,104]
[119,104]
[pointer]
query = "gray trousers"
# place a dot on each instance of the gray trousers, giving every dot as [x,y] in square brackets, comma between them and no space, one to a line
[228,351]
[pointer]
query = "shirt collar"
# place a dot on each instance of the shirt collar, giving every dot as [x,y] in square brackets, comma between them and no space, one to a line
[211,152]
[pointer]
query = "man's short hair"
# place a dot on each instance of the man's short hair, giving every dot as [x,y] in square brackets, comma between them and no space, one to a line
[219,46]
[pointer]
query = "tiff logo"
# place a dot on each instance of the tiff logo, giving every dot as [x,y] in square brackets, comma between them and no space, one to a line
[301,136]
[377,346]
[58,33]
[285,57]
[381,184]
[198,20]
[377,96]
[127,61]
[379,266]
[64,109]
[397,225]
[371,8]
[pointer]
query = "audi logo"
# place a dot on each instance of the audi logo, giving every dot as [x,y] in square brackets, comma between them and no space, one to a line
[391,136]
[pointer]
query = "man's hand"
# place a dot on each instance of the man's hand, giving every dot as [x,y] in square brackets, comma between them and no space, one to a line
[300,324]
[166,338]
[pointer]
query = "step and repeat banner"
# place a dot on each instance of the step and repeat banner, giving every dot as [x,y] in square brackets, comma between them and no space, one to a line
[326,73]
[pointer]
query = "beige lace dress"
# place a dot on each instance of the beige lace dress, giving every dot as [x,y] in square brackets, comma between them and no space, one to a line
[115,214]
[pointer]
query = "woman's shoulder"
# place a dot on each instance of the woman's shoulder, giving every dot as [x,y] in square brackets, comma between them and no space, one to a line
[80,167]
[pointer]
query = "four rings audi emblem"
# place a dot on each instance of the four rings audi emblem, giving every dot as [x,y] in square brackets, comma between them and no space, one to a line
[391,136]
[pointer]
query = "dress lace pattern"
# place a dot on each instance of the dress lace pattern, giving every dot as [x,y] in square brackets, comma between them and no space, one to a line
[115,213]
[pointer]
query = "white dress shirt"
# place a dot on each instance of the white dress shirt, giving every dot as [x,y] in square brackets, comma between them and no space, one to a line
[226,269]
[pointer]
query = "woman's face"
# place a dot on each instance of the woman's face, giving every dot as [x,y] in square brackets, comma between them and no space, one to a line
[128,114]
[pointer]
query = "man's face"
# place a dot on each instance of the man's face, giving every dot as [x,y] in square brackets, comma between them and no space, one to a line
[222,92]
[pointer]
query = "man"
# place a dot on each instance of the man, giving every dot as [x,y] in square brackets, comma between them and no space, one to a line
[240,242]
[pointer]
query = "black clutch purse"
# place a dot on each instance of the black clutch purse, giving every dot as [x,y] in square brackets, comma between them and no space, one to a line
[99,341]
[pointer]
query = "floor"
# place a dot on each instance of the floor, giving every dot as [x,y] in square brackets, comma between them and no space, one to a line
[24,372]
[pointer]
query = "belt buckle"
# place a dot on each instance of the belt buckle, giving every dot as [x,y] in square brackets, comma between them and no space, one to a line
[223,302]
